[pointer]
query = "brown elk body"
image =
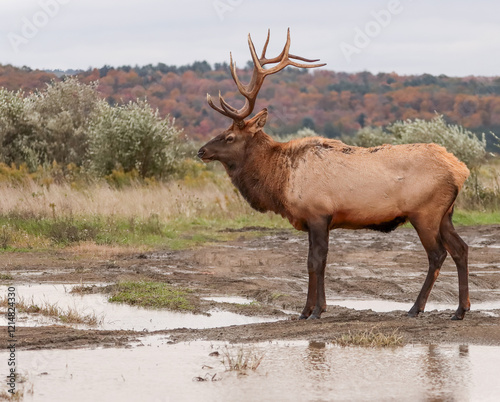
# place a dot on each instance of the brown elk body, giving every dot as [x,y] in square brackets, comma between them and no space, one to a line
[320,184]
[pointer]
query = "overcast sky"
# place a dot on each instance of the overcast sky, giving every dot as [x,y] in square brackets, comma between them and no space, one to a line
[452,37]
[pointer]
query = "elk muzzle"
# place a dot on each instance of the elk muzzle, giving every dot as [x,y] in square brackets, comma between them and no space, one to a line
[202,154]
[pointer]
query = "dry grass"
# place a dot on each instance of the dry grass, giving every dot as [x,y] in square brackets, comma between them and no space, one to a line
[241,359]
[91,251]
[68,316]
[369,339]
[24,386]
[177,215]
[163,200]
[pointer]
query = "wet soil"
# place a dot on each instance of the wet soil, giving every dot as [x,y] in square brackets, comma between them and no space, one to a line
[270,267]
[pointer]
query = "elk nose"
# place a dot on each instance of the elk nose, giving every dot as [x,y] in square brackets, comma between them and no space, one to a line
[201,152]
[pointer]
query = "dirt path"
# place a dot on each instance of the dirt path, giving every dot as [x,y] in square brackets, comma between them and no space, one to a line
[271,269]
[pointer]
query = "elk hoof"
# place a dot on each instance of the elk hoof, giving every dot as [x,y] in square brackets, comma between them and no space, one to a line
[459,314]
[313,317]
[413,313]
[303,317]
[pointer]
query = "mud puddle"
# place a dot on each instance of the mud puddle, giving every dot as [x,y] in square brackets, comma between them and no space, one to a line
[385,306]
[300,370]
[114,316]
[229,299]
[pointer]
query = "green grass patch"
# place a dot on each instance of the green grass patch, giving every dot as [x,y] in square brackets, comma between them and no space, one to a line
[470,218]
[463,217]
[40,233]
[153,295]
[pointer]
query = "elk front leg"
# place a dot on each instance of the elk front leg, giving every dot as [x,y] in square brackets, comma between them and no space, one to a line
[316,263]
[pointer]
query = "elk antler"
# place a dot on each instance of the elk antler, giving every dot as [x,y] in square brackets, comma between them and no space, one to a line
[250,90]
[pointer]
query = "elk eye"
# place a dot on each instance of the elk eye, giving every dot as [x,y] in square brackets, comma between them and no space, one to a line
[230,138]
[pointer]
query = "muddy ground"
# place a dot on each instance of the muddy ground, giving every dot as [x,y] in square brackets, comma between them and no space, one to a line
[270,266]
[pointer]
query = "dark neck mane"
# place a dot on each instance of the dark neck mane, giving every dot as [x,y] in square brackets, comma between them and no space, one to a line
[262,175]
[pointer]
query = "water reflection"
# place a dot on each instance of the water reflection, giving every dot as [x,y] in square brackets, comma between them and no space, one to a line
[305,371]
[431,372]
[447,372]
[316,359]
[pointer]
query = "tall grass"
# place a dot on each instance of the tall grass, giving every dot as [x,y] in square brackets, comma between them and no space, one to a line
[482,190]
[210,198]
[175,214]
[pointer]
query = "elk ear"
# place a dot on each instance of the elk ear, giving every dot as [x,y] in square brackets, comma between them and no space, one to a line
[257,122]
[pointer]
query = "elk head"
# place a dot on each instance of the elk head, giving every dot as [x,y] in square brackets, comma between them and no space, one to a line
[228,147]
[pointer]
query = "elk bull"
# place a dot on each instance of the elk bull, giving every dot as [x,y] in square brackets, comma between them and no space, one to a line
[320,184]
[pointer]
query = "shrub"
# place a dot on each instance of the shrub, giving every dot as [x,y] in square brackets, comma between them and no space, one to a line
[133,137]
[370,137]
[60,117]
[47,126]
[302,133]
[15,129]
[68,124]
[464,144]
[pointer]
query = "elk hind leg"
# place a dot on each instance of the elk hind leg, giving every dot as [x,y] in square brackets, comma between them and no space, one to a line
[428,232]
[458,250]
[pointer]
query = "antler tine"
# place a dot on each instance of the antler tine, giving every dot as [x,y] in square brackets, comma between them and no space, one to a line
[256,61]
[263,57]
[214,106]
[300,65]
[292,56]
[226,110]
[227,107]
[278,58]
[232,67]
[284,59]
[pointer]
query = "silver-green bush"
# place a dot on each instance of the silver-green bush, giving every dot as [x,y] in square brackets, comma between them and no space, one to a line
[464,144]
[46,126]
[302,133]
[69,123]
[15,129]
[133,137]
[60,117]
